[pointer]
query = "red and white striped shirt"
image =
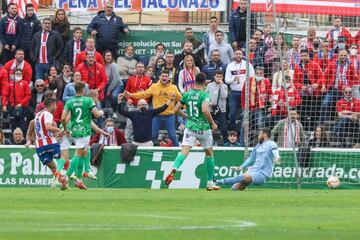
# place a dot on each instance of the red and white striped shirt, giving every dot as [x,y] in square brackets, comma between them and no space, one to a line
[43,136]
[77,50]
[43,50]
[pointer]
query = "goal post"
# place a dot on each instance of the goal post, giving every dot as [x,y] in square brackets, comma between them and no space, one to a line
[305,87]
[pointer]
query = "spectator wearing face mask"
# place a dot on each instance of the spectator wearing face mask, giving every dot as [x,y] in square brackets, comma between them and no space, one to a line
[116,136]
[142,119]
[354,58]
[315,48]
[159,66]
[325,55]
[18,98]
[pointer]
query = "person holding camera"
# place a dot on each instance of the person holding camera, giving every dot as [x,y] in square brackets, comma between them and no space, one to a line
[218,92]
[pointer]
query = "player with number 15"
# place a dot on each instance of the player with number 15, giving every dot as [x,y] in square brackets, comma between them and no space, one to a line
[198,127]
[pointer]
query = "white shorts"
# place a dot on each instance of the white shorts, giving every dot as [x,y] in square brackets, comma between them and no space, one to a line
[205,138]
[82,142]
[66,142]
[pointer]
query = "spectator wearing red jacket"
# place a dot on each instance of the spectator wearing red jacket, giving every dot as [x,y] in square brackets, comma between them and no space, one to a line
[116,136]
[19,62]
[325,55]
[94,75]
[136,83]
[278,102]
[310,82]
[348,110]
[354,59]
[4,84]
[339,31]
[259,96]
[18,97]
[58,108]
[339,74]
[90,47]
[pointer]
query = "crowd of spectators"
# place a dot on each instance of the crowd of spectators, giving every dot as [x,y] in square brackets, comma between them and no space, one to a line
[318,78]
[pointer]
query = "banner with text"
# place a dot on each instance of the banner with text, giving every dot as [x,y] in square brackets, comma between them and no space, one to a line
[20,167]
[331,7]
[143,5]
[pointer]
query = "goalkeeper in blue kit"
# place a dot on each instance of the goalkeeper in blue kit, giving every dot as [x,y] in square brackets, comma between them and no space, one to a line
[260,164]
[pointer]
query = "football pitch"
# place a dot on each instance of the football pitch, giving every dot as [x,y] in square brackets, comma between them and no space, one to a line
[178,214]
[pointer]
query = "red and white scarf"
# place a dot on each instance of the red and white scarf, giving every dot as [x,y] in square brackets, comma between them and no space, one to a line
[294,58]
[15,66]
[43,58]
[189,79]
[11,28]
[77,49]
[111,141]
[262,94]
[341,76]
[268,40]
[355,60]
[286,132]
[88,51]
[258,93]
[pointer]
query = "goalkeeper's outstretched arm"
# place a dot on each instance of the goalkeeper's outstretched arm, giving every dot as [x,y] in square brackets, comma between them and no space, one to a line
[250,161]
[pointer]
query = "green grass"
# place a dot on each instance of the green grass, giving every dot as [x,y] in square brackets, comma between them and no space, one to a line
[179,214]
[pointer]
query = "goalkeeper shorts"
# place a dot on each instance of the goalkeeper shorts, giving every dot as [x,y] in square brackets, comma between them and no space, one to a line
[257,178]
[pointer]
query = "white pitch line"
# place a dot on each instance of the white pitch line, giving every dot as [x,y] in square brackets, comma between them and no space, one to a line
[61,227]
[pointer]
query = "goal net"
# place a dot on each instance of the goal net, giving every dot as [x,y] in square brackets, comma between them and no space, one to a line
[305,86]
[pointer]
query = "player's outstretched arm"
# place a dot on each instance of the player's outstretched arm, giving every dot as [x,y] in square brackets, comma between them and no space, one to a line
[97,113]
[276,154]
[178,111]
[250,161]
[207,114]
[30,131]
[99,130]
[52,128]
[64,119]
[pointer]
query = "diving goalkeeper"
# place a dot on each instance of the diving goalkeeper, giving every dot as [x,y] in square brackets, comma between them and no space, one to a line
[259,164]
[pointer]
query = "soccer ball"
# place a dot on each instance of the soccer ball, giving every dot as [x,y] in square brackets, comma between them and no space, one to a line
[333,182]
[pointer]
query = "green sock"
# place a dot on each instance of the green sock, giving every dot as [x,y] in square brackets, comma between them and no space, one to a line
[210,164]
[73,163]
[179,160]
[60,164]
[87,162]
[79,168]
